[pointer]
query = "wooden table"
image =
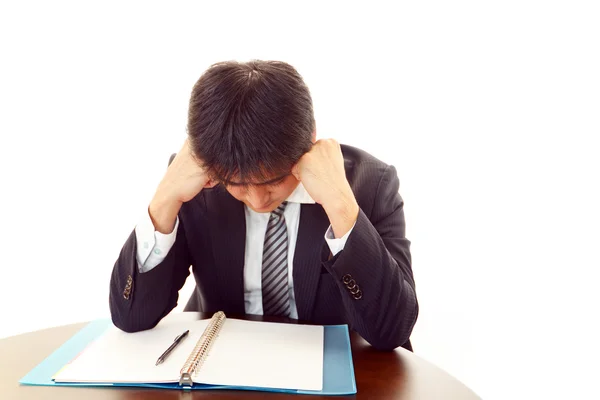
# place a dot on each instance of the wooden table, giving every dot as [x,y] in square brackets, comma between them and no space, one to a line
[379,375]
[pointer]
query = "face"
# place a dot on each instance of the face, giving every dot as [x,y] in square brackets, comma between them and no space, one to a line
[266,196]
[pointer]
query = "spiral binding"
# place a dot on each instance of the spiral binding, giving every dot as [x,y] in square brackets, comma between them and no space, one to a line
[200,352]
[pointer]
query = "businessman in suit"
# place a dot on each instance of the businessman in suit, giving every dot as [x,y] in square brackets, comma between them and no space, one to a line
[271,220]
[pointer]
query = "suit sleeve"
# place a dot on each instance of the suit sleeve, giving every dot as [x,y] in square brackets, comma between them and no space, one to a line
[138,301]
[374,272]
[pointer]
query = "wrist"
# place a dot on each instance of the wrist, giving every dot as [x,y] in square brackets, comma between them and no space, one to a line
[342,212]
[163,210]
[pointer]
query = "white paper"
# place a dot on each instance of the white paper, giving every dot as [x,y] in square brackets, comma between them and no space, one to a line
[268,355]
[120,357]
[245,353]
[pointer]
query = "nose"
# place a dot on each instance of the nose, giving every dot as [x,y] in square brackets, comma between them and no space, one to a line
[258,197]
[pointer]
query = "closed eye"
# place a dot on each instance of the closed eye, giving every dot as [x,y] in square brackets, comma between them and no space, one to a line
[278,183]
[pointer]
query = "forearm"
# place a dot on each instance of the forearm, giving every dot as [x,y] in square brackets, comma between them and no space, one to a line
[163,210]
[342,213]
[145,281]
[379,295]
[138,301]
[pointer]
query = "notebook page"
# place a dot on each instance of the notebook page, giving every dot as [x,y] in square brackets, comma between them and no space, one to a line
[268,355]
[120,357]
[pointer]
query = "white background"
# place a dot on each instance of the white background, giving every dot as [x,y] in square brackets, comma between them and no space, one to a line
[490,112]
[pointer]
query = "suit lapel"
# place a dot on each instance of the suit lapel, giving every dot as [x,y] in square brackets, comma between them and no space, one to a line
[228,236]
[307,257]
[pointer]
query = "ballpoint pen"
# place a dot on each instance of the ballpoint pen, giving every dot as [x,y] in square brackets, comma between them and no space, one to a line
[168,351]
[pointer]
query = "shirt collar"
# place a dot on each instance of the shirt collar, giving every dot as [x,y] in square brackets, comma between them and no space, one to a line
[300,195]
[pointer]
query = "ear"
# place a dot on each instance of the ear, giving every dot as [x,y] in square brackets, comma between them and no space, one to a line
[314,136]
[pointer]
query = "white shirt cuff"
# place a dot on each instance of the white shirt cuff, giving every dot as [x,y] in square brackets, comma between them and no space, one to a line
[152,246]
[336,245]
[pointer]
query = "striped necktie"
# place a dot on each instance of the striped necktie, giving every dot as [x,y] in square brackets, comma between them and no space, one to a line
[275,266]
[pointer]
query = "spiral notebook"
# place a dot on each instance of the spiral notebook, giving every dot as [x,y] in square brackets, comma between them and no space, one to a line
[219,353]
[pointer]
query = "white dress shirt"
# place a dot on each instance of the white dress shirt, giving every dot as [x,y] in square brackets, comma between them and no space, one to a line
[153,247]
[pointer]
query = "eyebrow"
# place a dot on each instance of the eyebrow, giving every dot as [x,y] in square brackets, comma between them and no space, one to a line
[269,182]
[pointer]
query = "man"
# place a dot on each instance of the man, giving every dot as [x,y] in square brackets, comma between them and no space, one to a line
[271,220]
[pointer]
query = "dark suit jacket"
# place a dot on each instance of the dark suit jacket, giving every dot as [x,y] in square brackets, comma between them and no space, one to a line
[211,237]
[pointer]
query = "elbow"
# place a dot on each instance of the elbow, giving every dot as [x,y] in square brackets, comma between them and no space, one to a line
[123,319]
[132,319]
[385,345]
[125,327]
[128,324]
[389,339]
[390,343]
[120,320]
[396,331]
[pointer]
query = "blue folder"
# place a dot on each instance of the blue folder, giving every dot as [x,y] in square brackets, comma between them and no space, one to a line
[338,370]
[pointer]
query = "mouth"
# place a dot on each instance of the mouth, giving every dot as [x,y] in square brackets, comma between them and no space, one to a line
[266,208]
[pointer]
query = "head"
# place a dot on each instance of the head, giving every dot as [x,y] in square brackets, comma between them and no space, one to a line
[248,125]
